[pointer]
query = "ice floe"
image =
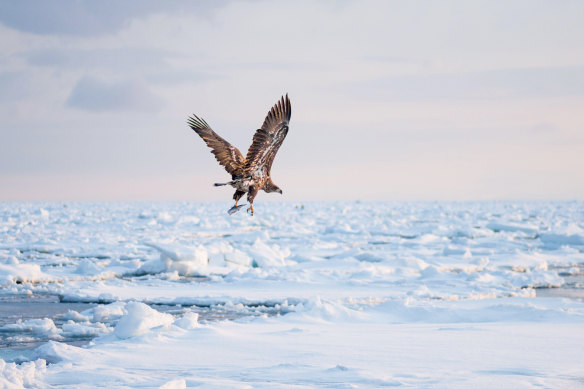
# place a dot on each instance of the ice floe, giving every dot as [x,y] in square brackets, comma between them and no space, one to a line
[139,318]
[343,293]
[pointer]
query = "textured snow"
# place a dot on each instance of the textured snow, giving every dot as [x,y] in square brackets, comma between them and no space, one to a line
[323,294]
[189,321]
[27,375]
[12,272]
[39,326]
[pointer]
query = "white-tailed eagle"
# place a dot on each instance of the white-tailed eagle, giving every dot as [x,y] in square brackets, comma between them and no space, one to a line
[252,173]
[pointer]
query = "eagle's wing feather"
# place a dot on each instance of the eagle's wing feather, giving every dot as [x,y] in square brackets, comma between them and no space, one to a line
[268,139]
[227,155]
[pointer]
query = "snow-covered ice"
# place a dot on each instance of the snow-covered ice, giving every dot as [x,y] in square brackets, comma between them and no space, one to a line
[331,294]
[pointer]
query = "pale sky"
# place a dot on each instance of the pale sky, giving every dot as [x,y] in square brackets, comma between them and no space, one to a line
[391,100]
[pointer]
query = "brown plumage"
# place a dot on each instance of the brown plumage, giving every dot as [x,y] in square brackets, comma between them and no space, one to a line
[252,173]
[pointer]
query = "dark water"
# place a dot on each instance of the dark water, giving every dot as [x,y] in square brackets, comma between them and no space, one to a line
[573,286]
[18,346]
[560,292]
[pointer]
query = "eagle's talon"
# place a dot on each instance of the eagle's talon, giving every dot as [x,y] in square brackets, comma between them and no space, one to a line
[250,210]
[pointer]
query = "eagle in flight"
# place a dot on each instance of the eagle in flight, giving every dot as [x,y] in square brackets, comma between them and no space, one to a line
[252,173]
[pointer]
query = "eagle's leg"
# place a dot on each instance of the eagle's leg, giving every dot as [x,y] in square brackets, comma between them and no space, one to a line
[250,196]
[236,196]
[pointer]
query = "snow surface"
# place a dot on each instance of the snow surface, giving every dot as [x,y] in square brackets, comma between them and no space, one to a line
[314,295]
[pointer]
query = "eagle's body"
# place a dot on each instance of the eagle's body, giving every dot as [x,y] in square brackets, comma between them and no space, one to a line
[252,173]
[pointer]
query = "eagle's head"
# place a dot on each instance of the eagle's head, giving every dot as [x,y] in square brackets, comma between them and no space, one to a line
[270,187]
[274,189]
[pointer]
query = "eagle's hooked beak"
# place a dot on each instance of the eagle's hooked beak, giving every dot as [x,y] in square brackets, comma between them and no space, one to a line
[279,190]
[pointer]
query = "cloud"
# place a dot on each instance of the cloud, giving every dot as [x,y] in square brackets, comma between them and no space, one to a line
[153,64]
[127,58]
[493,84]
[14,86]
[86,17]
[94,95]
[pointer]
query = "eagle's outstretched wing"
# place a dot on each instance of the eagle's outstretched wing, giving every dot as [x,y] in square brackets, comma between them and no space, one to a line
[268,139]
[227,155]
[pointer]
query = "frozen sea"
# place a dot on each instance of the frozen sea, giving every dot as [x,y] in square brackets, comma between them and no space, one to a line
[301,295]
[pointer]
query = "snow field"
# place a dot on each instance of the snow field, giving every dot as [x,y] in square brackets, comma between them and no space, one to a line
[325,295]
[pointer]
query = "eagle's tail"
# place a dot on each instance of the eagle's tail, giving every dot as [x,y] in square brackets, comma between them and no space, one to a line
[232,182]
[225,183]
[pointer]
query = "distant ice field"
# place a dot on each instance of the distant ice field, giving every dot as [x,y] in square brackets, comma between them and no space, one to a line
[315,294]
